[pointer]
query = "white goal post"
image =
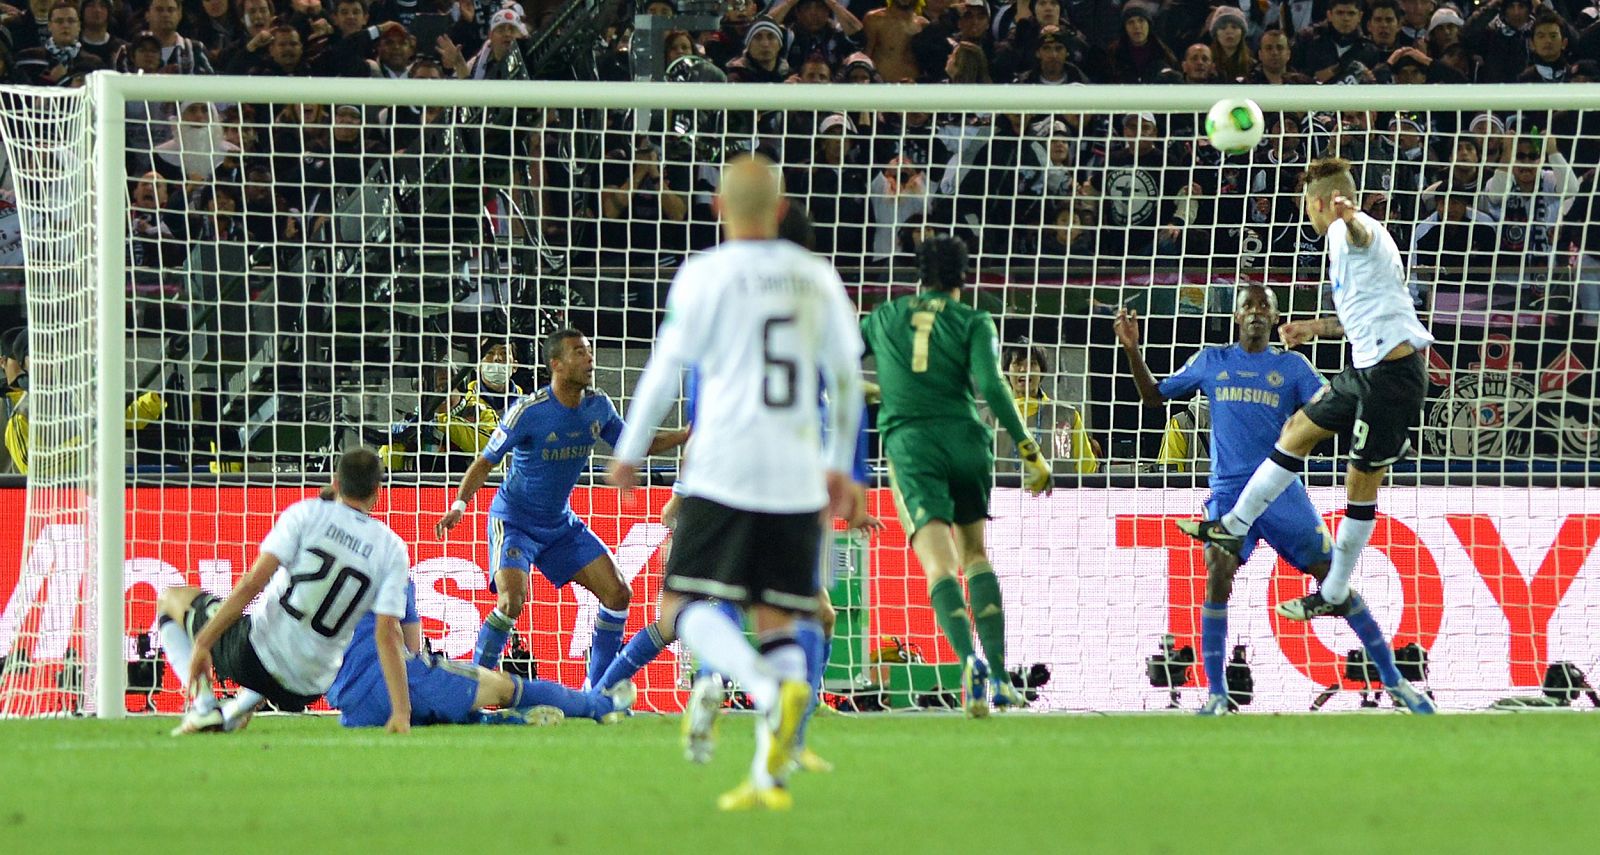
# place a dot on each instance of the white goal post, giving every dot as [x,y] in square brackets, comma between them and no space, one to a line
[89,299]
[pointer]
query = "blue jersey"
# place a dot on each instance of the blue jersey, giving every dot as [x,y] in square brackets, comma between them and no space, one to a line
[859,471]
[361,674]
[550,445]
[1252,396]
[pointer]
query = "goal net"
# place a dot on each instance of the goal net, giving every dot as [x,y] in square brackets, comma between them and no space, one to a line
[292,274]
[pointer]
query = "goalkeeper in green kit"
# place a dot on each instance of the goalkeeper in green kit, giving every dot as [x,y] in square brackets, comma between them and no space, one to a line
[929,348]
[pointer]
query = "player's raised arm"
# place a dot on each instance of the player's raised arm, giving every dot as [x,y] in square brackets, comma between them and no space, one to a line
[984,354]
[1127,329]
[474,479]
[1296,333]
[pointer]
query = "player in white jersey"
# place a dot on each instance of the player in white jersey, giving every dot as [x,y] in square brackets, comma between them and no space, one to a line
[763,321]
[324,565]
[1377,399]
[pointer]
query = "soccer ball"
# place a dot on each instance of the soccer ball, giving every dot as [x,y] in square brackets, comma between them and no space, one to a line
[1235,125]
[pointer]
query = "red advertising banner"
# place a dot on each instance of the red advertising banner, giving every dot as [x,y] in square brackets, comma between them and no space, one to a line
[1495,582]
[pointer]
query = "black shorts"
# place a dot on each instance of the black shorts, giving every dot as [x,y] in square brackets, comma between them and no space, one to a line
[235,658]
[1379,405]
[746,557]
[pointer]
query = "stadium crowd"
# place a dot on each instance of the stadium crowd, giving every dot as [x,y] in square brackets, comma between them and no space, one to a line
[1502,200]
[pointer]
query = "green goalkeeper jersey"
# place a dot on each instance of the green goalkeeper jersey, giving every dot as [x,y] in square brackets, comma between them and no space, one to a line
[929,349]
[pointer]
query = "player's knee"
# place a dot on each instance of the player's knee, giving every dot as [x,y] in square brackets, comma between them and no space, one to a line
[174,602]
[510,602]
[826,616]
[618,598]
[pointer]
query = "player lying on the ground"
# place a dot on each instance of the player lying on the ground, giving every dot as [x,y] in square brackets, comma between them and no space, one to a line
[550,436]
[1377,399]
[762,320]
[1254,389]
[448,692]
[930,348]
[324,565]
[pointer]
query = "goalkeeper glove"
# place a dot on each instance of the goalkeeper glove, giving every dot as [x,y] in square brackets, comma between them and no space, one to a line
[1036,477]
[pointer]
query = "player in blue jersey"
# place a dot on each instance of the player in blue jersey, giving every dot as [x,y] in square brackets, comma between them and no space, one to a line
[550,436]
[447,692]
[1254,389]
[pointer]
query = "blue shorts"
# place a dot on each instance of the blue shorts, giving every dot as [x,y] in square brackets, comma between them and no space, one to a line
[442,692]
[559,551]
[1291,526]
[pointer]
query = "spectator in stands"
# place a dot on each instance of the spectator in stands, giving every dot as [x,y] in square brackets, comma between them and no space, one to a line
[1068,235]
[397,48]
[762,60]
[1056,425]
[1493,142]
[1274,184]
[1410,65]
[1529,201]
[1197,64]
[888,33]
[1499,32]
[899,195]
[1145,200]
[839,214]
[728,42]
[499,59]
[1229,51]
[1019,52]
[30,29]
[197,150]
[1465,175]
[1548,46]
[967,64]
[95,34]
[268,217]
[823,27]
[815,69]
[217,25]
[637,205]
[1444,30]
[14,361]
[1455,234]
[179,54]
[1417,15]
[1050,65]
[218,207]
[974,27]
[62,55]
[157,228]
[1383,25]
[1335,49]
[349,49]
[858,68]
[1138,56]
[1582,228]
[679,43]
[1273,61]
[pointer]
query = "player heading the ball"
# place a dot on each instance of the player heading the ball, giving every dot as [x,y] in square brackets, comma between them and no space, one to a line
[1377,398]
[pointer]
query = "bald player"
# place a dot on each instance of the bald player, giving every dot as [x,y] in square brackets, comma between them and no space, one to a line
[765,323]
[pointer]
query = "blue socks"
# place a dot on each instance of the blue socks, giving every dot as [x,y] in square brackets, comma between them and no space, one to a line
[603,644]
[492,639]
[1213,646]
[543,693]
[640,651]
[1378,649]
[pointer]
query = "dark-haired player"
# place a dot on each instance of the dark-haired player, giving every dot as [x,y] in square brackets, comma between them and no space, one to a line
[1253,389]
[1377,398]
[550,436]
[324,565]
[930,347]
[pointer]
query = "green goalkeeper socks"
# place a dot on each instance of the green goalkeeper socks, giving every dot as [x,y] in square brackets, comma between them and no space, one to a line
[951,611]
[987,613]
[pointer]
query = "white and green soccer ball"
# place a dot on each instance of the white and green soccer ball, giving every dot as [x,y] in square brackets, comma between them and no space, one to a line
[1235,125]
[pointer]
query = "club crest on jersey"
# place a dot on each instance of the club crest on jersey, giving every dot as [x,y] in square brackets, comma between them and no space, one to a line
[1494,408]
[594,430]
[1274,378]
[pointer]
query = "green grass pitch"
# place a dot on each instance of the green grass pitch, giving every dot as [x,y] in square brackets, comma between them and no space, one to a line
[905,783]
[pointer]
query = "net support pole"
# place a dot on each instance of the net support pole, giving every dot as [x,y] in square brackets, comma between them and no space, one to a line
[110,179]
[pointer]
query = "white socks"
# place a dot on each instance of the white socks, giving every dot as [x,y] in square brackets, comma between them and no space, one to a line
[1271,478]
[721,645]
[179,650]
[1360,518]
[238,706]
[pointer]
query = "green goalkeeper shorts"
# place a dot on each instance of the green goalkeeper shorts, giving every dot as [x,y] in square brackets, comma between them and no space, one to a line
[940,474]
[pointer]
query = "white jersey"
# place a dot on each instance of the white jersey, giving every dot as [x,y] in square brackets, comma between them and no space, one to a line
[765,323]
[1370,294]
[337,564]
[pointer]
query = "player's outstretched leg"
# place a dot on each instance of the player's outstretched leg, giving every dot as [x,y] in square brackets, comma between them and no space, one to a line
[172,623]
[525,701]
[936,552]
